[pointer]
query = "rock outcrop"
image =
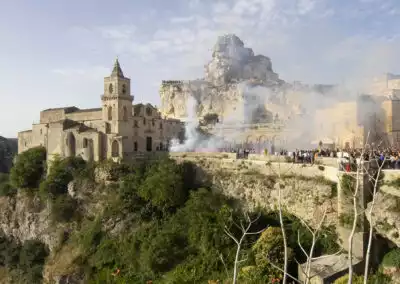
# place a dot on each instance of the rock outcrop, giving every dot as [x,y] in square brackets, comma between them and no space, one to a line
[386,213]
[8,149]
[237,85]
[305,192]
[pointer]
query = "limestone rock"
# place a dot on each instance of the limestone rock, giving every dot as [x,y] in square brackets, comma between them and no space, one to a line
[24,217]
[231,62]
[386,214]
[237,86]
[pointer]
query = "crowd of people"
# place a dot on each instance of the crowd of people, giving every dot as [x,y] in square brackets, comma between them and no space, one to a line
[347,159]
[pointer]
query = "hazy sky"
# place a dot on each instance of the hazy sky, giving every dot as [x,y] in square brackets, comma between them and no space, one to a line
[55,53]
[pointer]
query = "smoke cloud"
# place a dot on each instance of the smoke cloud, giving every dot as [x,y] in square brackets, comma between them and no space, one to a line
[294,109]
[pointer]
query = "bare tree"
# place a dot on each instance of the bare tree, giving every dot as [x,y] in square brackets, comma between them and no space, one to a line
[359,172]
[239,241]
[375,179]
[315,233]
[279,186]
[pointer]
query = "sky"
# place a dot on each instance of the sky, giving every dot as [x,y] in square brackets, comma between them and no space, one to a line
[55,53]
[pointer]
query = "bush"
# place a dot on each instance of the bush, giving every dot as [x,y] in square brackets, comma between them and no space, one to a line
[348,184]
[269,248]
[4,178]
[6,189]
[163,185]
[29,168]
[344,279]
[25,262]
[62,171]
[63,209]
[392,258]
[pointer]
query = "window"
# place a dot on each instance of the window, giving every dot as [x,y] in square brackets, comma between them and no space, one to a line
[108,128]
[144,121]
[135,123]
[41,131]
[115,149]
[124,89]
[136,110]
[110,89]
[85,143]
[135,146]
[148,111]
[124,113]
[161,126]
[152,122]
[161,146]
[109,113]
[149,144]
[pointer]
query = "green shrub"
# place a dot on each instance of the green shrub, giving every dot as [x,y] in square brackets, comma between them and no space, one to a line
[64,209]
[348,184]
[24,262]
[62,171]
[163,185]
[392,258]
[4,178]
[346,220]
[29,168]
[344,279]
[334,192]
[7,189]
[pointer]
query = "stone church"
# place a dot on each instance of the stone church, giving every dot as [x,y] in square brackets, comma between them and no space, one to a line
[118,129]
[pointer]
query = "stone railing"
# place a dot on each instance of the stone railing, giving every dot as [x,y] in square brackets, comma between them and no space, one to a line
[326,161]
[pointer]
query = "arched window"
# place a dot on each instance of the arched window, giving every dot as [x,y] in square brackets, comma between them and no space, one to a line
[71,144]
[124,89]
[108,128]
[109,113]
[85,143]
[124,113]
[115,149]
[135,146]
[148,111]
[110,88]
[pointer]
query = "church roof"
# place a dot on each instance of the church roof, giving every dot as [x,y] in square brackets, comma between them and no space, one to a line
[117,71]
[66,109]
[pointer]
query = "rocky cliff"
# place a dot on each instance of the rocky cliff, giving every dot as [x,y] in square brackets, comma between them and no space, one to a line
[386,213]
[237,85]
[8,148]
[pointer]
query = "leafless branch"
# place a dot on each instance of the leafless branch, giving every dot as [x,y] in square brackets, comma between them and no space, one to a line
[239,242]
[370,232]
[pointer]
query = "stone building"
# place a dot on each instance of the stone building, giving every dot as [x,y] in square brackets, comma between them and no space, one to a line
[118,129]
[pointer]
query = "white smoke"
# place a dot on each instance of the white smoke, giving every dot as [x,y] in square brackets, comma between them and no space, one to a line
[194,140]
[291,106]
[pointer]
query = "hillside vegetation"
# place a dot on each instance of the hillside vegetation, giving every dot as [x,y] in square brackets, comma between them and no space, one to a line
[8,149]
[147,222]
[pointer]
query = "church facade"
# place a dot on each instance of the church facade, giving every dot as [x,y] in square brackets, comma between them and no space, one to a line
[118,129]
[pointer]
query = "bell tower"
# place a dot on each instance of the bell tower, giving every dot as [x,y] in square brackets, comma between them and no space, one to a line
[117,100]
